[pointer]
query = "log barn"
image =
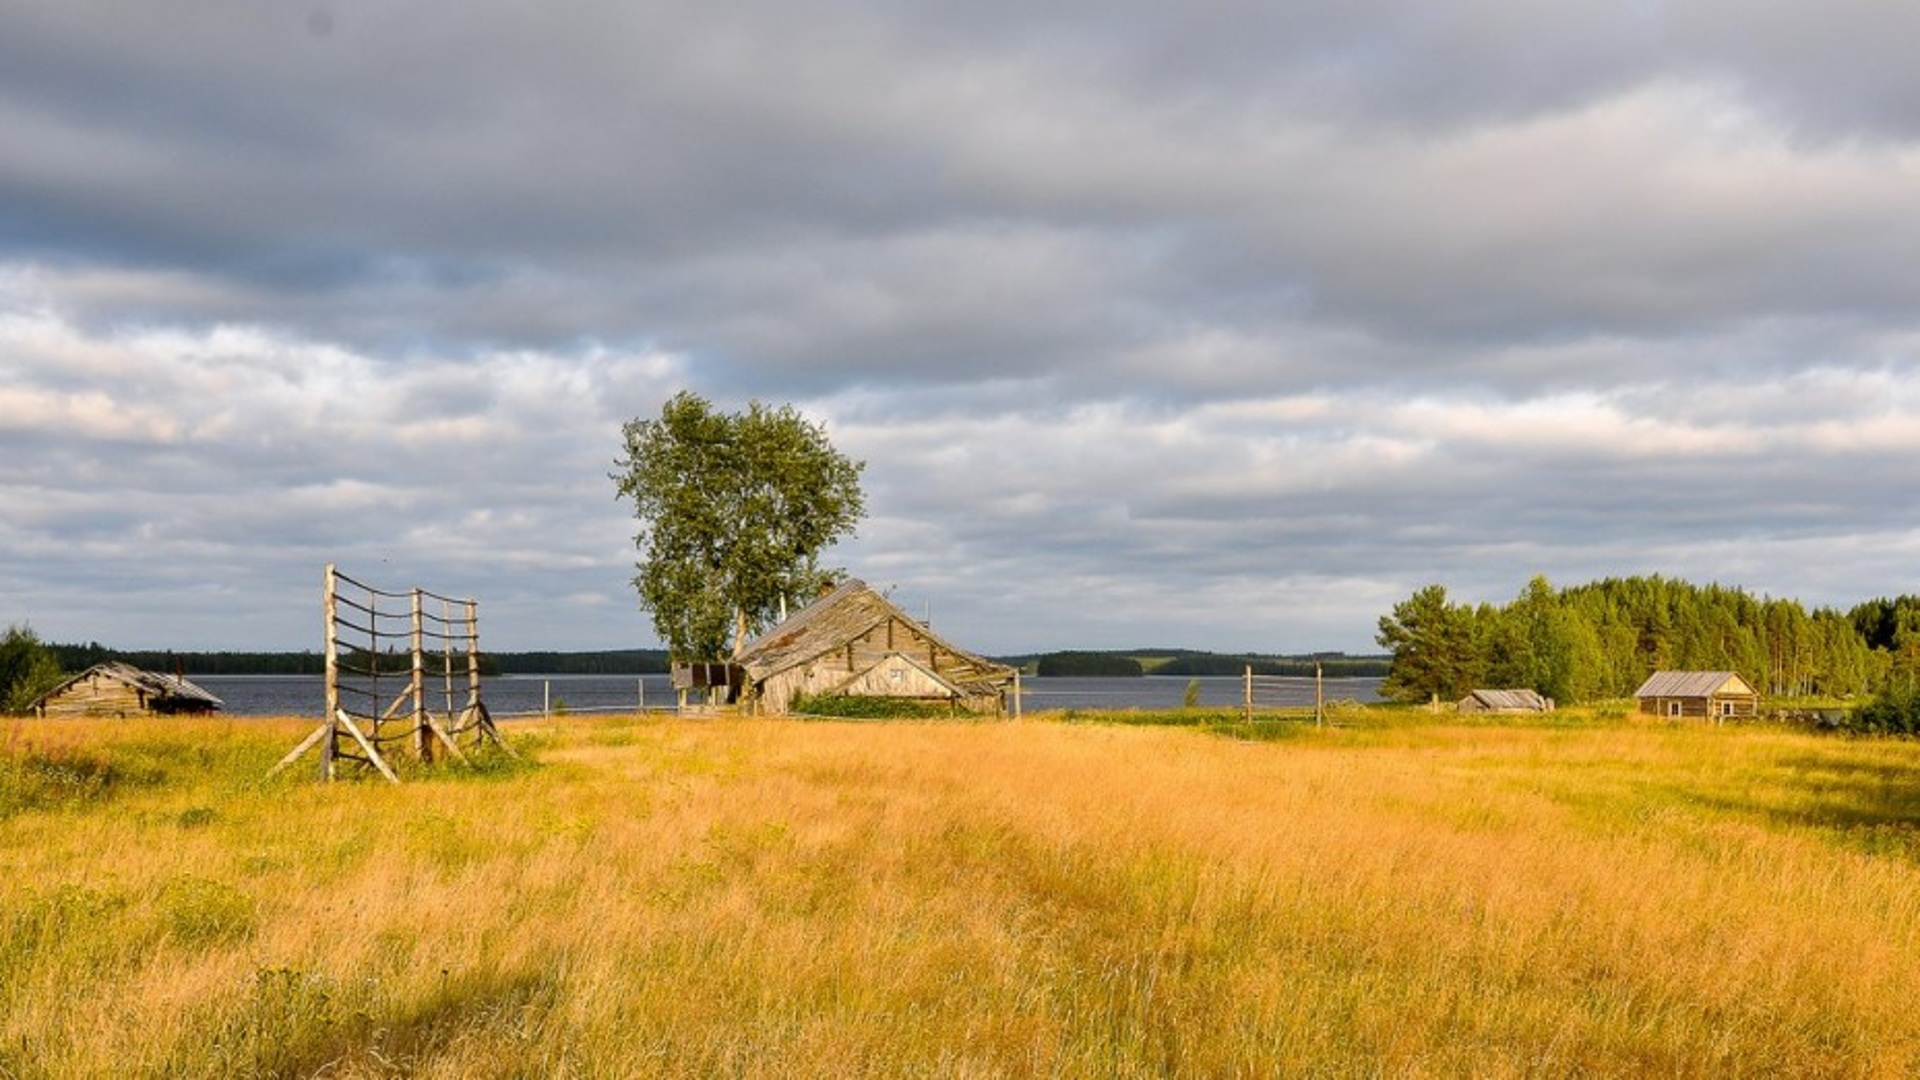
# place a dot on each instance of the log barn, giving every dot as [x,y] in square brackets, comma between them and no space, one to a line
[1717,695]
[854,641]
[116,689]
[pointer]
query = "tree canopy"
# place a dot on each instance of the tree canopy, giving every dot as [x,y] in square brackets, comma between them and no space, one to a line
[734,510]
[1602,639]
[1432,642]
[28,669]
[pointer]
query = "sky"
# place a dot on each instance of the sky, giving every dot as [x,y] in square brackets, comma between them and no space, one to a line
[1222,325]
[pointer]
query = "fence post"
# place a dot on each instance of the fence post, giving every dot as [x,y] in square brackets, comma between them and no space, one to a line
[331,610]
[1248,695]
[422,742]
[1319,698]
[473,654]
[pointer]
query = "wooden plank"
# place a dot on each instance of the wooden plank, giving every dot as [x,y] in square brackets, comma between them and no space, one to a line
[306,744]
[373,755]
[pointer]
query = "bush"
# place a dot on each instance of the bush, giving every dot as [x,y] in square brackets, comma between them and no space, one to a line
[857,707]
[1894,712]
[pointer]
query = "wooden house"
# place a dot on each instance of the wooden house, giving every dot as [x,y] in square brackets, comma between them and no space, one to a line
[854,641]
[1717,695]
[115,689]
[1505,701]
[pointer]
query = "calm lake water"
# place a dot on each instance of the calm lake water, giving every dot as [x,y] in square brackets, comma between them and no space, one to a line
[508,696]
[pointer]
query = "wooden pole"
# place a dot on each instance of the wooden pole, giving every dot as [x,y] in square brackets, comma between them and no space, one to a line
[473,654]
[1016,693]
[1319,698]
[1247,695]
[422,735]
[446,652]
[331,612]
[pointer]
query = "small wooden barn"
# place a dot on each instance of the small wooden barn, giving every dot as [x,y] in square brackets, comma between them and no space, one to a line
[1717,695]
[1505,701]
[854,641]
[116,689]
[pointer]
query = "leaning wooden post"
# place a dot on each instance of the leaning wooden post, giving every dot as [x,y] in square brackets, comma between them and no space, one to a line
[422,740]
[1016,693]
[331,613]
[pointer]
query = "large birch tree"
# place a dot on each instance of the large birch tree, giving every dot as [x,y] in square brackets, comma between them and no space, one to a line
[735,510]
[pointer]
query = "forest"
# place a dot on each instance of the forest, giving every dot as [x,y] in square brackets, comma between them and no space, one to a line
[1602,639]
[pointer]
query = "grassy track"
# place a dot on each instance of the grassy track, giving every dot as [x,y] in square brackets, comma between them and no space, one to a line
[764,898]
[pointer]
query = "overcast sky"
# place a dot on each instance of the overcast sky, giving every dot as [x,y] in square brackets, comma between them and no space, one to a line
[1216,324]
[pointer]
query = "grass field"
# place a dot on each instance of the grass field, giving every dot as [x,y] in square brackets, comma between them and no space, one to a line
[1394,897]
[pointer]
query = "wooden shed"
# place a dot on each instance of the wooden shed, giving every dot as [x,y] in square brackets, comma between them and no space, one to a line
[854,641]
[1505,701]
[1717,695]
[116,689]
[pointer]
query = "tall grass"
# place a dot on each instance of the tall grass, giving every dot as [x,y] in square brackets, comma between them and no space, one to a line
[762,898]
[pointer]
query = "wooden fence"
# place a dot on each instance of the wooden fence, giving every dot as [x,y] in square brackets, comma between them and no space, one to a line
[377,691]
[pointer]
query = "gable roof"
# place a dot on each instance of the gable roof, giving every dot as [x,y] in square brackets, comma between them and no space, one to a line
[841,615]
[152,684]
[1692,684]
[1516,700]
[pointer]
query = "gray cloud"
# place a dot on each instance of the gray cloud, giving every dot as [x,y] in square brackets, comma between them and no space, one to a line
[1224,325]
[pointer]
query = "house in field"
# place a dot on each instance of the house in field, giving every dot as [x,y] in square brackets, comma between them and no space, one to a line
[854,641]
[116,689]
[1505,701]
[1716,695]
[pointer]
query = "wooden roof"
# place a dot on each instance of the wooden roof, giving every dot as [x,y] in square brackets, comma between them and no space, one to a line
[837,617]
[1508,700]
[154,685]
[1692,684]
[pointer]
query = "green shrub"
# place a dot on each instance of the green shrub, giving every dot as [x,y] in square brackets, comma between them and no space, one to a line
[1894,712]
[858,707]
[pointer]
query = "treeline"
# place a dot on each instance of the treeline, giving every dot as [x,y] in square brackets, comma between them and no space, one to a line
[1130,664]
[606,662]
[1333,666]
[1601,640]
[74,658]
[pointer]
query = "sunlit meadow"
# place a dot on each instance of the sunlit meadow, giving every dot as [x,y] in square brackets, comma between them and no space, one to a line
[1392,896]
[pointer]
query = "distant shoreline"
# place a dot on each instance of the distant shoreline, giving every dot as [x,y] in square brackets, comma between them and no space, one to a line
[1082,663]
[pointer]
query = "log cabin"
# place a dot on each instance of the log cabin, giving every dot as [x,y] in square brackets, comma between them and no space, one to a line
[854,641]
[122,690]
[1716,695]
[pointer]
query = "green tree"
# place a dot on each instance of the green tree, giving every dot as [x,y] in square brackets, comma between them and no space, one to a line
[28,669]
[734,511]
[1433,646]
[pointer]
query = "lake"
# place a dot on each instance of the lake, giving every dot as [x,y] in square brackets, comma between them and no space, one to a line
[531,695]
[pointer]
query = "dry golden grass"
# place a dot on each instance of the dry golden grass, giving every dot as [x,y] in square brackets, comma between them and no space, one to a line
[762,898]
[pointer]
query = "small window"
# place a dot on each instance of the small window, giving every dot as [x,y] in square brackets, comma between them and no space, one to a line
[1726,708]
[1673,708]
